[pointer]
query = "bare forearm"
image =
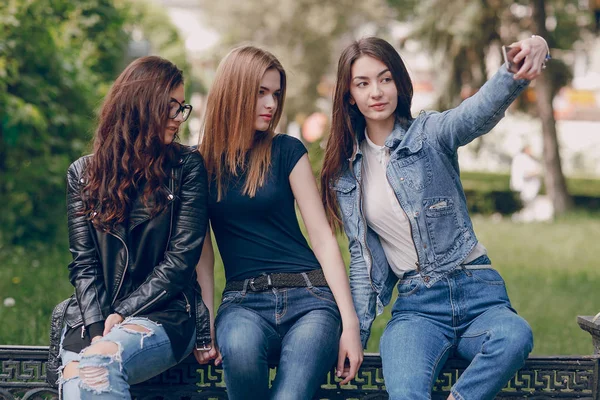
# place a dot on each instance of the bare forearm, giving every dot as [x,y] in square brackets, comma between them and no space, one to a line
[205,272]
[328,254]
[206,280]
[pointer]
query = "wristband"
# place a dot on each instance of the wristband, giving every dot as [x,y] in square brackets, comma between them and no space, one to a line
[548,57]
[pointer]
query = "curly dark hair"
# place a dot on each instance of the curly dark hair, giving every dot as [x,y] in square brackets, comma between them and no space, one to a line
[129,143]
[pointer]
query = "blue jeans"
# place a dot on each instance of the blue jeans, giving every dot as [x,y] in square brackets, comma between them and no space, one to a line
[298,326]
[468,314]
[140,356]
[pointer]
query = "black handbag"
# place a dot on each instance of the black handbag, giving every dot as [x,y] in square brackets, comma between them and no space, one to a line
[57,323]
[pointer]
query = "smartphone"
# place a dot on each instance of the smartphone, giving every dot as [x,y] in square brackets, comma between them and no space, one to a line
[509,54]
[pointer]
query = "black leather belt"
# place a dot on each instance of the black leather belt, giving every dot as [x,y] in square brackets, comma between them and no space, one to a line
[281,280]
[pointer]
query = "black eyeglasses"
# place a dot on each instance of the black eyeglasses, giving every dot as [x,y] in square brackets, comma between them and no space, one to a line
[177,107]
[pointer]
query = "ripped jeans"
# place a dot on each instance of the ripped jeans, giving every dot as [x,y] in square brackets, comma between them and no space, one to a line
[140,356]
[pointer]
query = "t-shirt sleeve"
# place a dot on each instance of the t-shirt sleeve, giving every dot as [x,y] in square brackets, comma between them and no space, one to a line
[292,151]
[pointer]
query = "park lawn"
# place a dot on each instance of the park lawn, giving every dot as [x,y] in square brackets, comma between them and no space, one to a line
[550,270]
[551,273]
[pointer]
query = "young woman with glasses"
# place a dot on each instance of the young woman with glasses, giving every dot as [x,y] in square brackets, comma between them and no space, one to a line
[279,302]
[392,180]
[137,215]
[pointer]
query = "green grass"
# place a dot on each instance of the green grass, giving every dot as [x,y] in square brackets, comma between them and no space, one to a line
[551,274]
[488,181]
[550,270]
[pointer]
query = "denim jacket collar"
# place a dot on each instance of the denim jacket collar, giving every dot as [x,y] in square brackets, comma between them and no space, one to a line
[394,139]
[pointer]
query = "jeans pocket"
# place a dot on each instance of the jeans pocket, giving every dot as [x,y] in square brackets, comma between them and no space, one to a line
[322,293]
[229,298]
[488,276]
[408,287]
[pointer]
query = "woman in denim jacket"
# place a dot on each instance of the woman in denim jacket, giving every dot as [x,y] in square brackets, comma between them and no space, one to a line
[394,183]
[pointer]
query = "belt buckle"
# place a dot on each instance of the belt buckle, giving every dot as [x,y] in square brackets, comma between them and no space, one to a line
[269,282]
[261,286]
[251,285]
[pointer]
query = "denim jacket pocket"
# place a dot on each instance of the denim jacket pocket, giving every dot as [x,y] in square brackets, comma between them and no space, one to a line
[414,169]
[442,224]
[346,195]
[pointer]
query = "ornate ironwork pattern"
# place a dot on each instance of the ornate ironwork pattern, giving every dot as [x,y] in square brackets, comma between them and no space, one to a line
[22,376]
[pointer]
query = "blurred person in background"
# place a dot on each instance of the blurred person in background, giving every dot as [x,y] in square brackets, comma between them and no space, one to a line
[526,175]
[137,216]
[392,180]
[526,179]
[283,301]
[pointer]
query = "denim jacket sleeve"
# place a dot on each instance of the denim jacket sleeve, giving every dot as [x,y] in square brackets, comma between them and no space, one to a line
[363,294]
[476,115]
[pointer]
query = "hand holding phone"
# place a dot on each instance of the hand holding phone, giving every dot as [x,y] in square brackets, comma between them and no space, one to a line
[509,54]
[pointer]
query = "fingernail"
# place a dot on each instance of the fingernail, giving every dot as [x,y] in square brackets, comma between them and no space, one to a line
[339,373]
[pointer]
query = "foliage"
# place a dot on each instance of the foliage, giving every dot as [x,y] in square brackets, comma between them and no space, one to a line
[56,64]
[53,62]
[460,36]
[304,34]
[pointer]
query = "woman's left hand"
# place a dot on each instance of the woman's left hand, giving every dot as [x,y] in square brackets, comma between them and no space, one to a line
[350,348]
[112,320]
[533,51]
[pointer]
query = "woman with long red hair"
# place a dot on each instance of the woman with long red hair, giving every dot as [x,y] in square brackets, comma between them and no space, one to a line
[279,301]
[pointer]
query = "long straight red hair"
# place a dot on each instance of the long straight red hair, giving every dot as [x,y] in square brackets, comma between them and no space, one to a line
[230,144]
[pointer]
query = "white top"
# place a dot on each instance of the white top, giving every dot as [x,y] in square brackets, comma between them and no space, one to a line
[385,215]
[383,212]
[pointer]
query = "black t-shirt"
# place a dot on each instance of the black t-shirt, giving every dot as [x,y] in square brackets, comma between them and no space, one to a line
[261,234]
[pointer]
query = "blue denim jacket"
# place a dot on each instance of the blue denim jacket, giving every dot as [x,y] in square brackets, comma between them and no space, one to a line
[424,174]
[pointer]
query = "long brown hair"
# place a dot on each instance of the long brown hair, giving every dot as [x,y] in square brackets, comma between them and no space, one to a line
[348,123]
[230,143]
[129,147]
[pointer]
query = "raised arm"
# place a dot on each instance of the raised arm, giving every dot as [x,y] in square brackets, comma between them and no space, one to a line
[478,114]
[326,249]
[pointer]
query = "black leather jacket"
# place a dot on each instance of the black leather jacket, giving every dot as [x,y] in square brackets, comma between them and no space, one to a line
[110,270]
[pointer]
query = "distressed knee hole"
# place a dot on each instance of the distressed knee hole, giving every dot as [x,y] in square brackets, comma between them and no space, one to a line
[137,328]
[102,348]
[94,378]
[71,370]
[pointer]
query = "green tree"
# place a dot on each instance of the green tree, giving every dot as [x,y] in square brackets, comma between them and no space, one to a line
[53,60]
[304,34]
[56,64]
[461,36]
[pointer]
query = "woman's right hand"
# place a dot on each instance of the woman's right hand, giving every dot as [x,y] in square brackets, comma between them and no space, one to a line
[205,356]
[350,348]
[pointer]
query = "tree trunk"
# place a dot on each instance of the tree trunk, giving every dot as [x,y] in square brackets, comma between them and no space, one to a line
[556,186]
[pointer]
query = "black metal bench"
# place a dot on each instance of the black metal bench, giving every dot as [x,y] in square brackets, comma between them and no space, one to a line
[22,376]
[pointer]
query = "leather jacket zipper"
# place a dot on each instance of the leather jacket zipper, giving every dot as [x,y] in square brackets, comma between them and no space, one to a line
[188,306]
[154,300]
[124,271]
